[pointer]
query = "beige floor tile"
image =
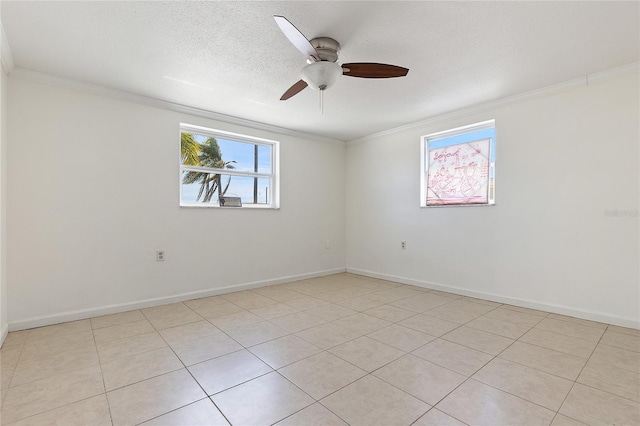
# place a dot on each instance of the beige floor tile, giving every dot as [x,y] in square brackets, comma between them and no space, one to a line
[195,351]
[611,379]
[455,357]
[362,323]
[210,310]
[485,302]
[59,330]
[205,302]
[403,338]
[384,297]
[355,291]
[474,306]
[39,347]
[54,364]
[377,285]
[618,357]
[313,415]
[359,303]
[429,325]
[9,356]
[136,368]
[572,329]
[321,374]
[236,296]
[514,316]
[331,312]
[479,340]
[15,338]
[261,401]
[53,392]
[297,322]
[306,287]
[452,314]
[191,331]
[278,294]
[562,420]
[575,320]
[527,383]
[445,294]
[284,351]
[390,313]
[621,340]
[624,330]
[274,311]
[234,320]
[543,359]
[256,333]
[109,351]
[593,406]
[153,397]
[171,315]
[499,327]
[121,331]
[397,293]
[228,370]
[116,319]
[525,310]
[435,417]
[422,379]
[475,403]
[371,401]
[254,301]
[202,412]
[93,411]
[333,296]
[305,302]
[421,302]
[367,354]
[559,342]
[328,335]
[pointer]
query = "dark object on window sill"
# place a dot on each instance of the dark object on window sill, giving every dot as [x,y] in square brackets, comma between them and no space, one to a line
[230,202]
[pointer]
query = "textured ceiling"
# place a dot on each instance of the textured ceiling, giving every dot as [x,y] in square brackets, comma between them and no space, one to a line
[231,58]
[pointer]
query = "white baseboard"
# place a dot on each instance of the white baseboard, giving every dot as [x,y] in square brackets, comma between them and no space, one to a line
[147,303]
[4,333]
[532,304]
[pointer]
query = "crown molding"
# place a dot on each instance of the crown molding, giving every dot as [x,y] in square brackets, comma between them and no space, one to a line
[121,95]
[487,106]
[5,52]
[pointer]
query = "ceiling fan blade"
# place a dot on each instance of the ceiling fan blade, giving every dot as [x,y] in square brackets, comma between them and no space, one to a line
[294,90]
[296,38]
[373,70]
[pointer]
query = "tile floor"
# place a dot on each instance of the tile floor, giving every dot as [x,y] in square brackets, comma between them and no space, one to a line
[342,349]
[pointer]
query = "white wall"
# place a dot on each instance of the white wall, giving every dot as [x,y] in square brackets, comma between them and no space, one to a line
[93,192]
[3,205]
[561,161]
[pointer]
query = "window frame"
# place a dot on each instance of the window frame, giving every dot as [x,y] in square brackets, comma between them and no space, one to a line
[424,162]
[274,176]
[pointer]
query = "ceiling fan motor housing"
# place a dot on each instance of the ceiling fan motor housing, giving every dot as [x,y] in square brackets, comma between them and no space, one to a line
[326,47]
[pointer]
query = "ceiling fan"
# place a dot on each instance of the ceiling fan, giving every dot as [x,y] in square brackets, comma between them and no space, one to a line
[322,70]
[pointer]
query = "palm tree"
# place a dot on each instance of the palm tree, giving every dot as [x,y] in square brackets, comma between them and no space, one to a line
[189,150]
[210,183]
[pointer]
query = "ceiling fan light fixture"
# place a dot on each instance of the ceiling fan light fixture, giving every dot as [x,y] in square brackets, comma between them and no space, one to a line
[321,75]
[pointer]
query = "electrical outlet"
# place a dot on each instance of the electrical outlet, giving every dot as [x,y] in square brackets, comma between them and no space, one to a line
[327,244]
[160,256]
[403,245]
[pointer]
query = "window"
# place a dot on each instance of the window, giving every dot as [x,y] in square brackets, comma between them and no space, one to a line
[458,166]
[216,164]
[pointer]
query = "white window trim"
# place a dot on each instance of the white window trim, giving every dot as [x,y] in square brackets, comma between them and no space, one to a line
[274,188]
[424,141]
